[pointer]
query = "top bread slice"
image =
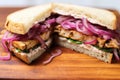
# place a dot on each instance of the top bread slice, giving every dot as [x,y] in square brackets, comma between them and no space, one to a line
[21,21]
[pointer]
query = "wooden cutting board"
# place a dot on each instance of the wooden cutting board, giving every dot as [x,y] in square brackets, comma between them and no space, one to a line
[69,65]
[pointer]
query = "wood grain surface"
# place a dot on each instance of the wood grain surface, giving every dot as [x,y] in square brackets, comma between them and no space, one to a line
[69,65]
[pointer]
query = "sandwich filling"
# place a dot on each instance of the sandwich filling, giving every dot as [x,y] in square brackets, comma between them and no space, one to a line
[79,31]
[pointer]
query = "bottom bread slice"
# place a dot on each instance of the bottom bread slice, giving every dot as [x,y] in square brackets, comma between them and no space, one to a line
[86,49]
[34,54]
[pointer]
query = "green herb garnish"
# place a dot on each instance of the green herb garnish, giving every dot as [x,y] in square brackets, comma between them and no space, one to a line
[104,49]
[17,50]
[74,41]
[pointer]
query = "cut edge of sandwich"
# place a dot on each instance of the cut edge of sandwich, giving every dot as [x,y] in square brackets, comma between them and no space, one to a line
[85,49]
[34,54]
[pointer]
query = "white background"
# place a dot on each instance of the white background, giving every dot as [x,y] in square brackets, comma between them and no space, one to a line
[114,4]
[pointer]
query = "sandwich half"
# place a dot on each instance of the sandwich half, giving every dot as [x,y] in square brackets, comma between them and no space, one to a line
[86,30]
[28,32]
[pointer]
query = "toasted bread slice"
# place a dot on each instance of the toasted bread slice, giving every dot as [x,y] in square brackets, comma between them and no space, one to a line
[94,15]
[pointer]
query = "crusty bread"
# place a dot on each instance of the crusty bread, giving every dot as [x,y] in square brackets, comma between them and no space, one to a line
[21,21]
[86,49]
[94,15]
[34,54]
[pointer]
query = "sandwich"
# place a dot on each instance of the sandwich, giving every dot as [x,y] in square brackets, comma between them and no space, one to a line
[27,33]
[87,30]
[91,31]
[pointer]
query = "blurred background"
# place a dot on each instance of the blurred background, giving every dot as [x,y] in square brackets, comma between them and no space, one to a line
[113,4]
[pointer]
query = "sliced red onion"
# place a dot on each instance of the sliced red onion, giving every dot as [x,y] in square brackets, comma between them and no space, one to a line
[8,38]
[93,41]
[4,45]
[116,54]
[5,35]
[68,25]
[58,52]
[4,41]
[83,26]
[50,21]
[33,31]
[61,19]
[107,37]
[80,27]
[90,27]
[105,34]
[43,45]
[39,28]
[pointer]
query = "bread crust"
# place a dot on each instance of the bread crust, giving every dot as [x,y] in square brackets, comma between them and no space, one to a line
[86,49]
[34,54]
